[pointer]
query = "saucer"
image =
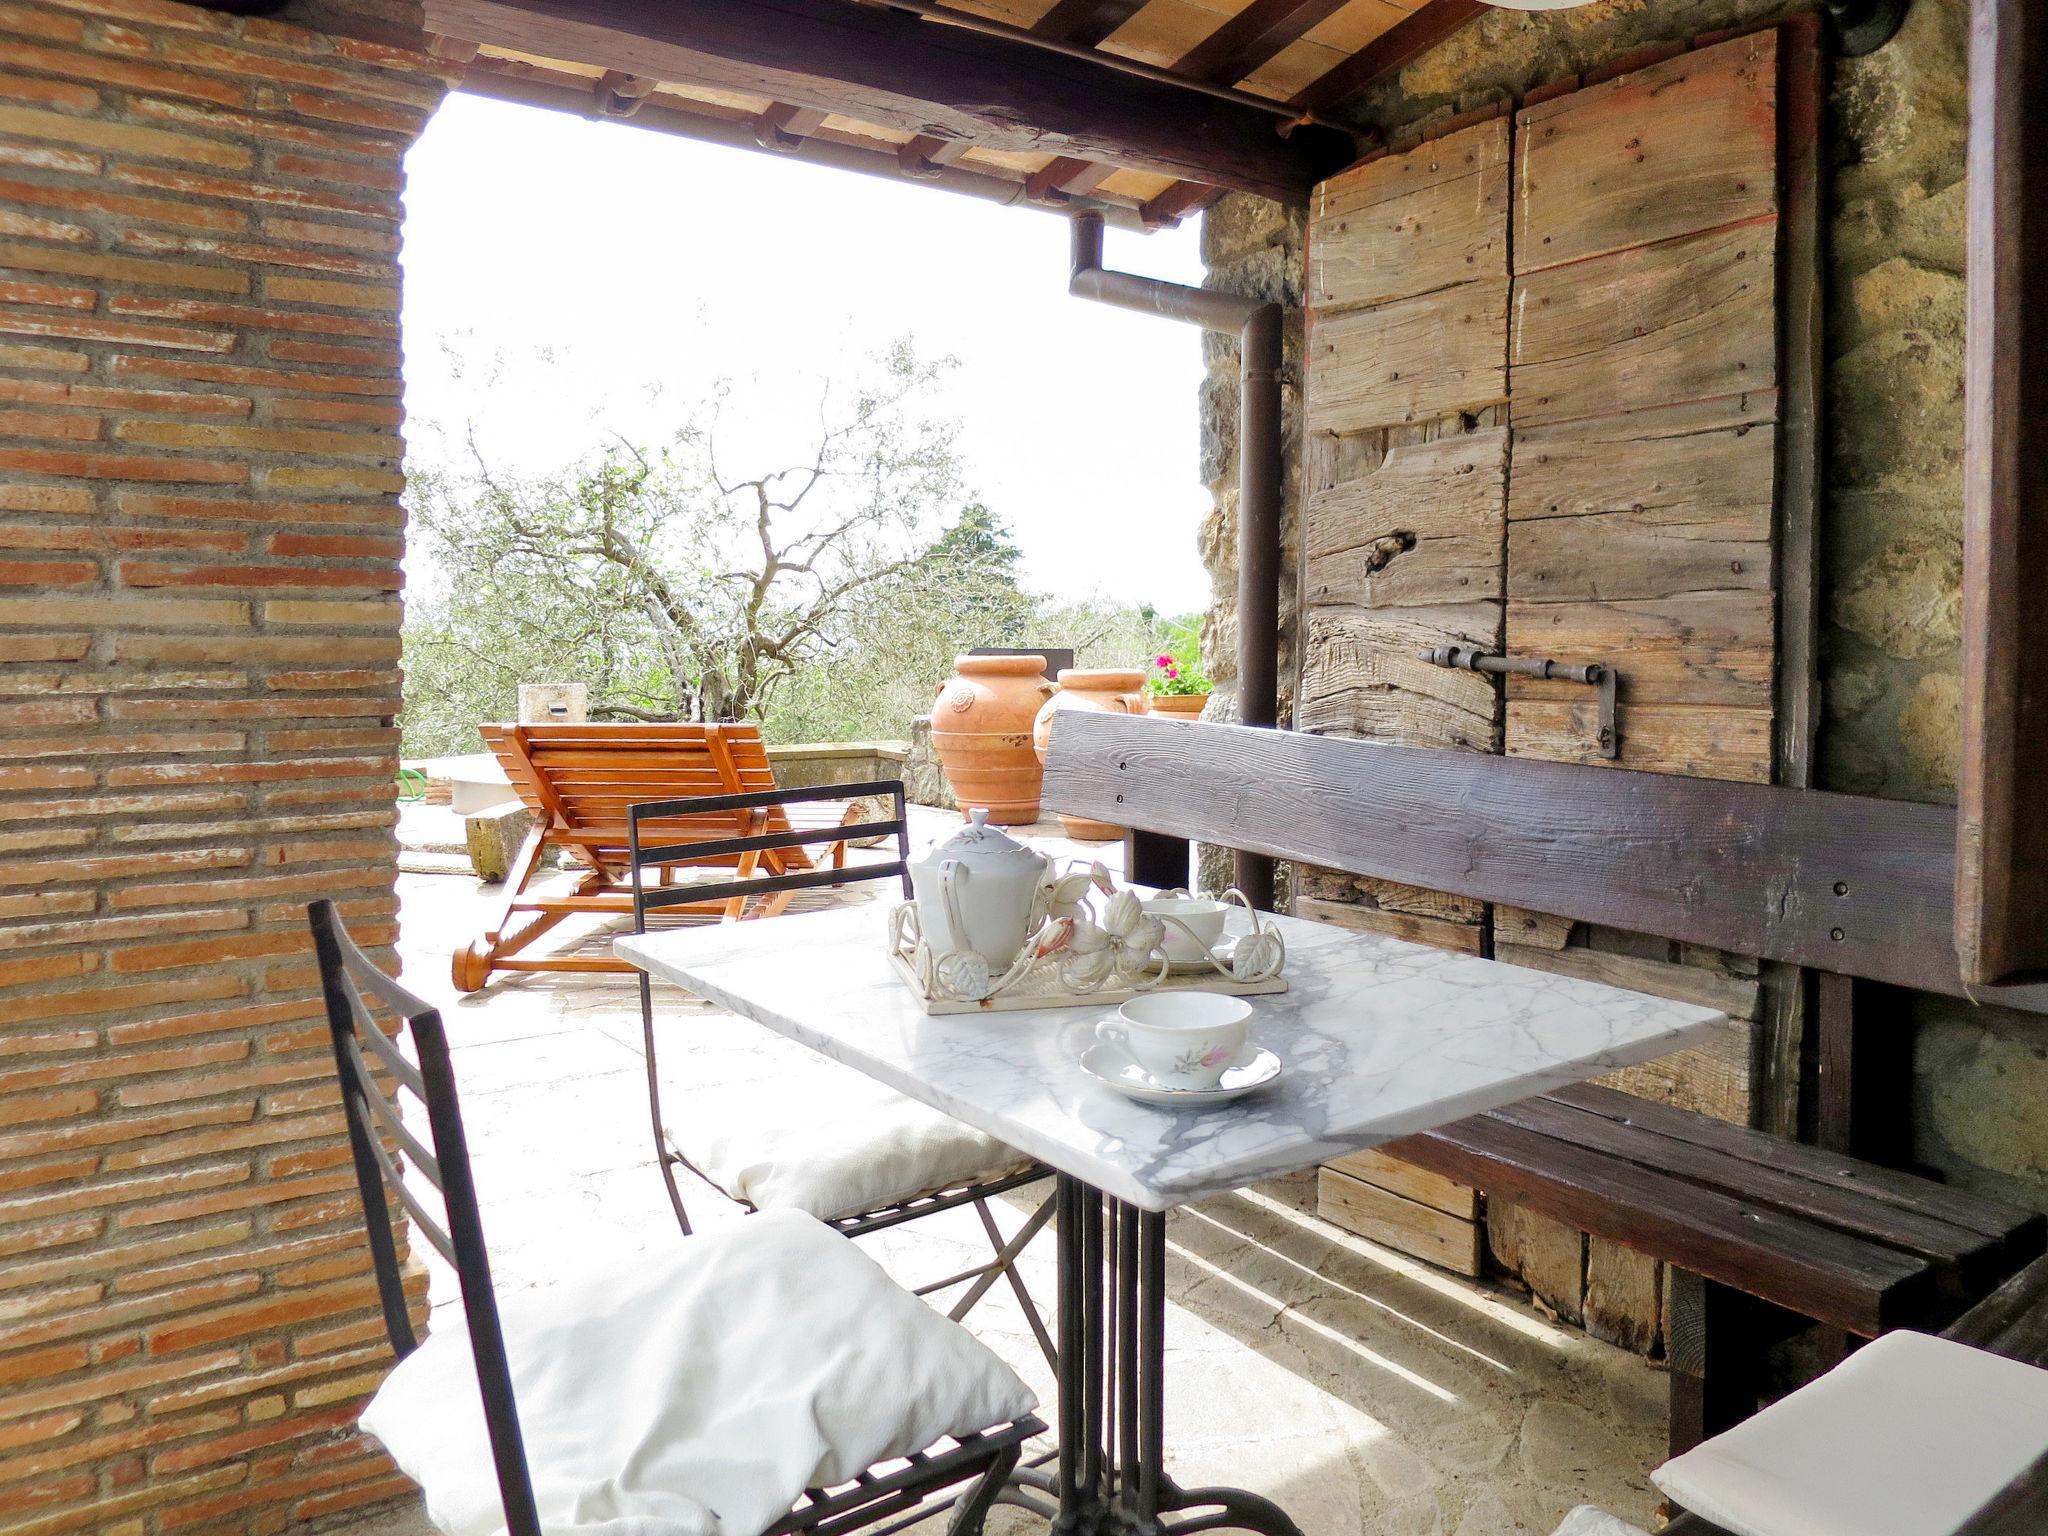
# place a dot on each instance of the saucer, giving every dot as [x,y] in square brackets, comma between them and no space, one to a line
[1220,954]
[1254,1068]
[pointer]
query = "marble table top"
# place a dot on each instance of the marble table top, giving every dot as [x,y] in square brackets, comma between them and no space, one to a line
[1380,1038]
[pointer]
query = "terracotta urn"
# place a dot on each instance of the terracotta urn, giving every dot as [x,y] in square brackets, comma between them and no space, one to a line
[981,730]
[1177,706]
[1109,690]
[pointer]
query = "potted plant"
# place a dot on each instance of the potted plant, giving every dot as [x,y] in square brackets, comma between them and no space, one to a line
[1177,686]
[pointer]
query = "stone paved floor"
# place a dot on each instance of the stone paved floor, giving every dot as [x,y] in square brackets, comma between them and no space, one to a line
[1362,1390]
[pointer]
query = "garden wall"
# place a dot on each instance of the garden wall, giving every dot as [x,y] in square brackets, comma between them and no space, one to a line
[199,477]
[1891,516]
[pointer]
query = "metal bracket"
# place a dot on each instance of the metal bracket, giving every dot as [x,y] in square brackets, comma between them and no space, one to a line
[1592,673]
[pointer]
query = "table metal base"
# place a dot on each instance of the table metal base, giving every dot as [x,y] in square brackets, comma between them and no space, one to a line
[1112,1325]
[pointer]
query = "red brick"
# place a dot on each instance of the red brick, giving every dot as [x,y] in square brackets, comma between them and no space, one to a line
[180,338]
[207,951]
[116,466]
[72,64]
[183,989]
[87,746]
[38,228]
[83,871]
[368,412]
[143,270]
[250,317]
[218,436]
[237,189]
[371,176]
[51,295]
[259,378]
[45,157]
[46,573]
[286,71]
[53,93]
[153,210]
[338,353]
[124,138]
[337,109]
[139,573]
[50,425]
[43,360]
[176,402]
[246,125]
[263,254]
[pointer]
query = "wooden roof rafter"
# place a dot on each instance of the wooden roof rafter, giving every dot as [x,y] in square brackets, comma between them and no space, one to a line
[885,67]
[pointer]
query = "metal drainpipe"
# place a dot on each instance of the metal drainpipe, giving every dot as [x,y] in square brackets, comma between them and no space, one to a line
[1256,323]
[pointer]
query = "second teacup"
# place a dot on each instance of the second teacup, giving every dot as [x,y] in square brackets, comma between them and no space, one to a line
[1180,1039]
[1203,918]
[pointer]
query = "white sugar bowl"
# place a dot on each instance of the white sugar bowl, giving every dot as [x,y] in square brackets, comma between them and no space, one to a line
[979,891]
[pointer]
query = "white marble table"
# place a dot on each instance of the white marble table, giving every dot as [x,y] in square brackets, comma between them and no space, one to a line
[1379,1039]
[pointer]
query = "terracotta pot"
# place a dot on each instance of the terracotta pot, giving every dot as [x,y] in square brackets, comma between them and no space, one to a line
[1177,706]
[1115,691]
[981,729]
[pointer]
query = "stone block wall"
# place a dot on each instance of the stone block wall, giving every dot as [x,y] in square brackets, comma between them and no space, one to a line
[1891,536]
[199,476]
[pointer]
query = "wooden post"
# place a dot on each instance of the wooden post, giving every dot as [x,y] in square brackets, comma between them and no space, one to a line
[2001,913]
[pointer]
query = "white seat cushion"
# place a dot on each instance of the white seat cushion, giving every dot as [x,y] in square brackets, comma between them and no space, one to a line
[1909,1436]
[696,1392]
[834,1143]
[1589,1521]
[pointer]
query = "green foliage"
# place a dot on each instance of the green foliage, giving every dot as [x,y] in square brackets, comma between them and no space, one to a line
[826,598]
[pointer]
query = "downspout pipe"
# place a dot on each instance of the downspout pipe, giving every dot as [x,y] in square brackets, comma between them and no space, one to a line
[1257,325]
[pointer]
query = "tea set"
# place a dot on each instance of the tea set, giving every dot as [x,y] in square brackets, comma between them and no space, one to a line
[995,924]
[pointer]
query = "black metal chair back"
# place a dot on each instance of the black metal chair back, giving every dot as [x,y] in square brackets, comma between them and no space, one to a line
[746,850]
[375,1127]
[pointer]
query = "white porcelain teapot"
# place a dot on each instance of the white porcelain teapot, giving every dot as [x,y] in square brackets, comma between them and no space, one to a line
[979,891]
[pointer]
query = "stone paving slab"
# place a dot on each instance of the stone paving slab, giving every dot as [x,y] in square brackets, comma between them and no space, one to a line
[1362,1389]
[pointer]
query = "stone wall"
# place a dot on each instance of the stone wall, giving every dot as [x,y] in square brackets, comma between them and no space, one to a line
[1892,515]
[199,476]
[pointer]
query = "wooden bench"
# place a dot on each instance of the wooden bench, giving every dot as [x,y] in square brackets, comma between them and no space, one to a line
[1763,1236]
[2012,1322]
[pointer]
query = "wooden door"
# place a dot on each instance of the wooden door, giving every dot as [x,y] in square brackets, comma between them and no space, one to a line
[1404,525]
[1644,371]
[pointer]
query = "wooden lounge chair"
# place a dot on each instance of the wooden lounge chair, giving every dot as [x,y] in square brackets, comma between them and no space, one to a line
[579,780]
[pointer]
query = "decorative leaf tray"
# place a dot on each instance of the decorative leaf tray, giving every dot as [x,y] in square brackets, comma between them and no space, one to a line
[1042,988]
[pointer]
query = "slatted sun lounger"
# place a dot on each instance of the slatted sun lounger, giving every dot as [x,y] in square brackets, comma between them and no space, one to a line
[578,781]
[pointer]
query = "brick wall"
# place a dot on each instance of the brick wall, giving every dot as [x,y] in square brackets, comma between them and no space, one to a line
[199,541]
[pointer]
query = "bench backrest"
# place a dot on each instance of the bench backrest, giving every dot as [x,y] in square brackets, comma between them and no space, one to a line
[1837,882]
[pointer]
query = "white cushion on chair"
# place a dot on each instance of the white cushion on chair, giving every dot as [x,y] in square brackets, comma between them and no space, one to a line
[1586,1520]
[833,1144]
[696,1392]
[1909,1436]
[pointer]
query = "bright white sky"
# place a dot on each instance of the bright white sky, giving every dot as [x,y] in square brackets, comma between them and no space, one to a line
[565,279]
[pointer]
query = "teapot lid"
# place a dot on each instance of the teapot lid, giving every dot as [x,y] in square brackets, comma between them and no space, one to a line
[980,843]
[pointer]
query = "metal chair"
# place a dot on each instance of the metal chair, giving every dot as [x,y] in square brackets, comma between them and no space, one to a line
[972,1468]
[905,1205]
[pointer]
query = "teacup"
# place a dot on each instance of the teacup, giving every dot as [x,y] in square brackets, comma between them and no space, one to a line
[1180,1039]
[1202,916]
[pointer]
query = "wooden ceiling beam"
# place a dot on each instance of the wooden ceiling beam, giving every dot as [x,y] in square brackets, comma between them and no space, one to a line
[1086,22]
[885,67]
[1388,53]
[1240,47]
[785,127]
[555,90]
[1253,38]
[926,155]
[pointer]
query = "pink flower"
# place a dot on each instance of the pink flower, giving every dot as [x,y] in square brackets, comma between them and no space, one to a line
[1162,661]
